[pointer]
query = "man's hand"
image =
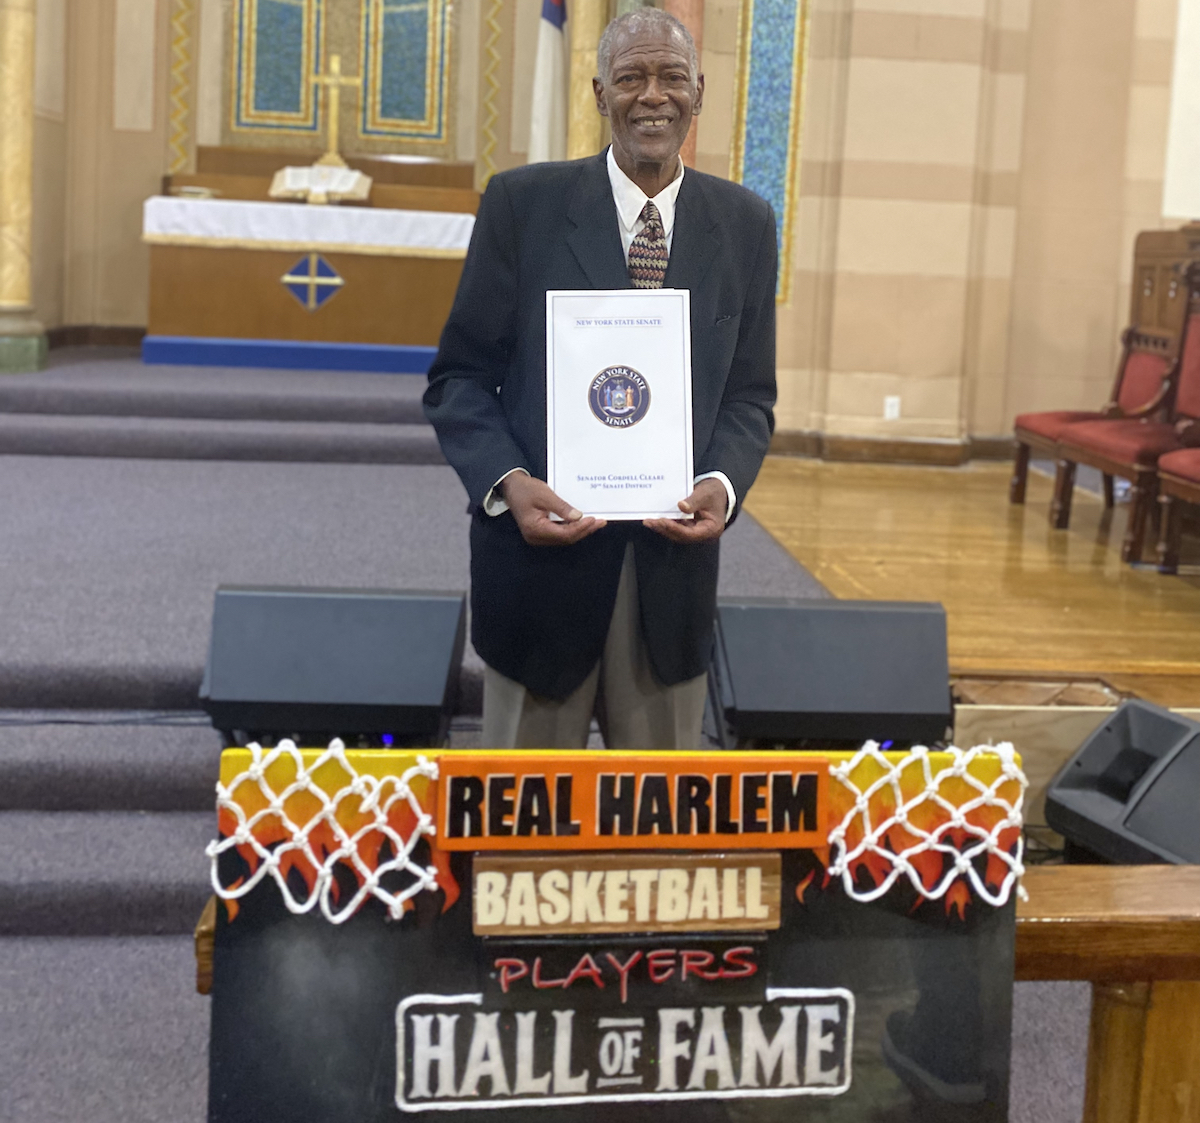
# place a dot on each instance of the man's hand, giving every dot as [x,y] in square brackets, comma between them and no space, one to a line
[707,505]
[532,503]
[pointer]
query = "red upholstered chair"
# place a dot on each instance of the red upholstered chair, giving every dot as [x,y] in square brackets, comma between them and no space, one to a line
[1130,448]
[1178,480]
[1142,386]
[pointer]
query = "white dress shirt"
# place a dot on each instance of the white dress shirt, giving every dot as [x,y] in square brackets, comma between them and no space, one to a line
[630,200]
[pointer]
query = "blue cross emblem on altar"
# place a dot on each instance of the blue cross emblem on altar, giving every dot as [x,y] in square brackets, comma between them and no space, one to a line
[312,281]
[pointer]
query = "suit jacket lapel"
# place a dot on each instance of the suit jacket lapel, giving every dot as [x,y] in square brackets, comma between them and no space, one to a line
[696,237]
[596,237]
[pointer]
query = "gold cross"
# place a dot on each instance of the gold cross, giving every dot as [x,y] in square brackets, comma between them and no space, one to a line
[333,83]
[313,282]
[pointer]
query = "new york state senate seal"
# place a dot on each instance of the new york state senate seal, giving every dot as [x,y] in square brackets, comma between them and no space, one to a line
[619,396]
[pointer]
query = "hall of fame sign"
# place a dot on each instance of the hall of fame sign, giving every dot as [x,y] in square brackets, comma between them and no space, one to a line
[560,937]
[788,1042]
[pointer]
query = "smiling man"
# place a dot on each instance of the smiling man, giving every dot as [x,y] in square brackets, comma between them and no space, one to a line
[572,615]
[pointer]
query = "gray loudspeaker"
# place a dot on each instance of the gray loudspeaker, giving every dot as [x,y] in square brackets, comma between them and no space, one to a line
[1131,792]
[356,663]
[790,670]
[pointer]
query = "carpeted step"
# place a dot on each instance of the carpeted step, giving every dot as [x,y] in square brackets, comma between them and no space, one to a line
[151,686]
[97,382]
[103,873]
[87,761]
[71,684]
[332,442]
[110,1030]
[110,564]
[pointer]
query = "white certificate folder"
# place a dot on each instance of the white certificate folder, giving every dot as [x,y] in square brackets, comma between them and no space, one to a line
[619,400]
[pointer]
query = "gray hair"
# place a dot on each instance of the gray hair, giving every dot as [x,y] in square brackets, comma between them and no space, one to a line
[635,21]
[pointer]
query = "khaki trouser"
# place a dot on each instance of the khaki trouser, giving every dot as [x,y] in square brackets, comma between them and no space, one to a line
[635,711]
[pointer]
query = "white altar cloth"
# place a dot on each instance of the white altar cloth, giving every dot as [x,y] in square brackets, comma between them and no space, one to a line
[226,223]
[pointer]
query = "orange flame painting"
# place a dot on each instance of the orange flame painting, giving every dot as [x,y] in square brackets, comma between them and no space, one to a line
[302,816]
[947,823]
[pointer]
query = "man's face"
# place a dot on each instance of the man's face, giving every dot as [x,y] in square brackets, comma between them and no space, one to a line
[649,95]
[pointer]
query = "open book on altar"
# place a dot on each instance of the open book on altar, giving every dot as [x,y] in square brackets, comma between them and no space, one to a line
[619,401]
[321,183]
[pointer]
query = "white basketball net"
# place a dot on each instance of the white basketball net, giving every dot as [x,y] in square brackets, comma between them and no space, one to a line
[373,797]
[963,860]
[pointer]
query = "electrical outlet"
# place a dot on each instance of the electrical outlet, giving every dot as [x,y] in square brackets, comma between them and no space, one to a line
[891,407]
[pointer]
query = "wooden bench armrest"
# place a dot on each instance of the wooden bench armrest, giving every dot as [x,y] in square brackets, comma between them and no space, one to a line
[1109,923]
[205,938]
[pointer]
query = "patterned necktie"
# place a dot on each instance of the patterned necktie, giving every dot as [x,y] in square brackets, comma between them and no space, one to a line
[648,252]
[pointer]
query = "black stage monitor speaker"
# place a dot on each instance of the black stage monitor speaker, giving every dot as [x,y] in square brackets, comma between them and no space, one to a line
[1131,793]
[790,670]
[378,664]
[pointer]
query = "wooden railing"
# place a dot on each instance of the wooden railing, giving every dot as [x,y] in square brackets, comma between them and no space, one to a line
[1133,932]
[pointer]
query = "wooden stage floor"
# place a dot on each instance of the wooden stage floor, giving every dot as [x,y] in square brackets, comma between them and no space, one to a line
[1020,597]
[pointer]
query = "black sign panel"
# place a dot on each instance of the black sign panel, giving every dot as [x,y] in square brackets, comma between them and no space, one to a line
[851,1012]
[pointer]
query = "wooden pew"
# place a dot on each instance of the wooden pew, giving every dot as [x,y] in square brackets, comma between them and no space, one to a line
[1133,932]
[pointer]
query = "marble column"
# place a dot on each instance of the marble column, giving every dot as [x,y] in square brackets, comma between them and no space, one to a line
[585,126]
[690,13]
[22,340]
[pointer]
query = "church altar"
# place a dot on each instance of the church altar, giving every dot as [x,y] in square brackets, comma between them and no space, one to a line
[286,226]
[247,283]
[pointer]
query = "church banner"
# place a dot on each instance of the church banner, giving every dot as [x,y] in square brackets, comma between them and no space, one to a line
[399,51]
[768,113]
[363,972]
[276,51]
[405,49]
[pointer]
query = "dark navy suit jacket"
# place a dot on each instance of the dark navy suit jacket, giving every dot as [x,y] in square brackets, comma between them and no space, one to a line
[540,614]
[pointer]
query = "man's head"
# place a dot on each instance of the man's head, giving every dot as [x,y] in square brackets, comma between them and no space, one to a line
[649,87]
